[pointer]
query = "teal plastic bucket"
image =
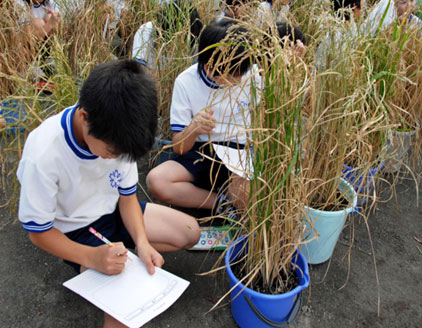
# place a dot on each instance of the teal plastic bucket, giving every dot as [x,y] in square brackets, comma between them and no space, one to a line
[323,228]
[251,309]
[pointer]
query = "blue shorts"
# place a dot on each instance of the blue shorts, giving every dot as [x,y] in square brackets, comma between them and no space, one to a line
[110,226]
[207,174]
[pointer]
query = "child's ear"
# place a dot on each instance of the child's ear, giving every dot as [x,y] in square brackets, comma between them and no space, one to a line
[83,115]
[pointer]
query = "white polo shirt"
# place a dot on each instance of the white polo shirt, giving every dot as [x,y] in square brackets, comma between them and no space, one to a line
[193,91]
[37,10]
[63,185]
[143,45]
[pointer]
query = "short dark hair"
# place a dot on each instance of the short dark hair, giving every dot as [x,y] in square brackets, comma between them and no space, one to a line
[224,30]
[291,31]
[120,98]
[345,4]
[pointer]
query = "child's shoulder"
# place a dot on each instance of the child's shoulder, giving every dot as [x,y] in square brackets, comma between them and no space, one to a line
[189,75]
[43,139]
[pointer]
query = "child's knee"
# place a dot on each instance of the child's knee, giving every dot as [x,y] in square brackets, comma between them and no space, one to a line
[194,235]
[153,180]
[158,184]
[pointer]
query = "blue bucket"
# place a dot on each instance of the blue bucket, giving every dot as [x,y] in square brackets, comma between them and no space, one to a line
[323,228]
[13,111]
[362,183]
[257,310]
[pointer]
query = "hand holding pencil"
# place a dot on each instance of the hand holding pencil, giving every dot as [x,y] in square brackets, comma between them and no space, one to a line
[52,18]
[109,258]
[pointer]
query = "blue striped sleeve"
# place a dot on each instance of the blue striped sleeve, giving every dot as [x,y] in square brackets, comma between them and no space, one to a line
[177,127]
[141,61]
[32,226]
[127,191]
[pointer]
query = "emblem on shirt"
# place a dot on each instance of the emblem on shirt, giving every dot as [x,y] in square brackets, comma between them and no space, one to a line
[242,105]
[115,178]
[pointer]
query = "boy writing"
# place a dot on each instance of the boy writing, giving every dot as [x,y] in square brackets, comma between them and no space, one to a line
[211,102]
[78,171]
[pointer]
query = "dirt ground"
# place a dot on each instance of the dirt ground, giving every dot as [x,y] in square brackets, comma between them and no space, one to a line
[347,291]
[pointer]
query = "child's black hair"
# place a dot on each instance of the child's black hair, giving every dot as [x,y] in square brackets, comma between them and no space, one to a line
[232,57]
[345,4]
[173,13]
[120,98]
[236,2]
[45,2]
[291,31]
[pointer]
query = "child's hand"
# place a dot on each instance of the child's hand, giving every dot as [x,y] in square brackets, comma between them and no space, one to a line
[150,257]
[110,259]
[53,20]
[203,122]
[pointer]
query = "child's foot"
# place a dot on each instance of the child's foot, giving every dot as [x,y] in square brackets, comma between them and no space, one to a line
[226,209]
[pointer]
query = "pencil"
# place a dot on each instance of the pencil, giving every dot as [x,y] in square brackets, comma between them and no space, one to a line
[104,239]
[44,7]
[100,236]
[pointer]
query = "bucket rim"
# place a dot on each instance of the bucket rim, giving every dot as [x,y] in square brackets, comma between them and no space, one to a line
[290,293]
[351,191]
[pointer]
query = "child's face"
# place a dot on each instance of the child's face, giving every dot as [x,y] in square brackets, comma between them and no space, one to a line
[99,148]
[405,6]
[298,48]
[96,146]
[227,80]
[357,11]
[240,9]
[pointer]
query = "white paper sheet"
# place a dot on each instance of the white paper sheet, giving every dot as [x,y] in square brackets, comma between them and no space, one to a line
[134,296]
[236,160]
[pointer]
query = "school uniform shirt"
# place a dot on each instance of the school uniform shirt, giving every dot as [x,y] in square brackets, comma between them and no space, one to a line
[143,49]
[118,6]
[338,38]
[385,12]
[65,186]
[193,91]
[36,10]
[414,21]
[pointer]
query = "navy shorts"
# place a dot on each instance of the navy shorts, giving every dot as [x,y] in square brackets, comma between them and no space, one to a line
[207,173]
[110,226]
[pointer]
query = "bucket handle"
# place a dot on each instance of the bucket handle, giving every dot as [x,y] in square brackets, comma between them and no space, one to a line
[292,315]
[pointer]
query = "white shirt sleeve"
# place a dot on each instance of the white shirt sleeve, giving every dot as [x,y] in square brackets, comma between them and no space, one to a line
[377,19]
[143,43]
[23,12]
[37,204]
[128,183]
[180,109]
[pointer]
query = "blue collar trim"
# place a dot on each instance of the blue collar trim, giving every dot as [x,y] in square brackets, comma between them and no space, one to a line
[39,4]
[210,83]
[67,125]
[410,18]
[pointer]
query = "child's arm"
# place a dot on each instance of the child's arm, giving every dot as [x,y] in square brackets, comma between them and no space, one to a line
[133,220]
[104,258]
[44,27]
[202,123]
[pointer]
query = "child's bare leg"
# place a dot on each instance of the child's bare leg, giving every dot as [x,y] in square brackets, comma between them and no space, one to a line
[110,322]
[168,229]
[171,183]
[238,191]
